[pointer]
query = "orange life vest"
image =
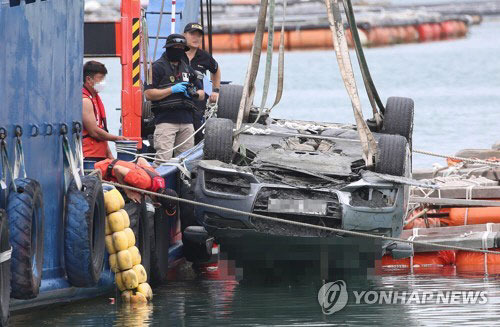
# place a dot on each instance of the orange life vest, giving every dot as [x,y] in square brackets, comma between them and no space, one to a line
[93,148]
[141,176]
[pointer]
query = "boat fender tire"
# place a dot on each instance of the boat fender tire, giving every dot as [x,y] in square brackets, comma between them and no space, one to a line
[4,270]
[393,155]
[398,117]
[218,140]
[26,221]
[229,101]
[139,224]
[160,243]
[84,232]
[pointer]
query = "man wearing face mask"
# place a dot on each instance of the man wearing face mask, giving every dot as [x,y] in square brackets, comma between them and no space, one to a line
[171,100]
[95,130]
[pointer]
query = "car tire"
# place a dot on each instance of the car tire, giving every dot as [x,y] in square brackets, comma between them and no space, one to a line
[26,221]
[4,270]
[398,117]
[218,140]
[84,232]
[393,155]
[160,244]
[229,101]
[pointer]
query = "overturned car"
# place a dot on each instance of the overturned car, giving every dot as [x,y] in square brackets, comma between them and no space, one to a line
[305,172]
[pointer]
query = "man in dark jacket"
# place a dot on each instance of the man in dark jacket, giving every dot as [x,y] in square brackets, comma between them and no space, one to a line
[201,61]
[173,93]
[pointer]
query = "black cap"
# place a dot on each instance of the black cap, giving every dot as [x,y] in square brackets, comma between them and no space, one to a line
[193,27]
[174,39]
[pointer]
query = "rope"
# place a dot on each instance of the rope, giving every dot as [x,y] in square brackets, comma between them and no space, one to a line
[19,166]
[6,169]
[479,161]
[212,110]
[279,220]
[4,256]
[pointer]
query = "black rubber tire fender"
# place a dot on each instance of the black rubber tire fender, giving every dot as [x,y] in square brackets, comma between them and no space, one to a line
[398,117]
[140,226]
[160,245]
[393,155]
[218,140]
[26,222]
[4,270]
[229,101]
[84,232]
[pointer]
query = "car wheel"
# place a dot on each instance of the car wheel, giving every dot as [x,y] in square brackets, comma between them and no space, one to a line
[393,156]
[218,140]
[229,102]
[398,117]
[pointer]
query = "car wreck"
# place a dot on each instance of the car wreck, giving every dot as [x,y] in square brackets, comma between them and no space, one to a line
[348,177]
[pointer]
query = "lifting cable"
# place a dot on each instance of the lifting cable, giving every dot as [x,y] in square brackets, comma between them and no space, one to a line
[296,223]
[371,91]
[269,57]
[252,69]
[478,161]
[368,143]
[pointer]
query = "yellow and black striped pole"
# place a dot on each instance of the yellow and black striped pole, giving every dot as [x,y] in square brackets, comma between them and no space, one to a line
[136,68]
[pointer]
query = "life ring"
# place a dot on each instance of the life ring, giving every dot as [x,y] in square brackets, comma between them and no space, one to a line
[84,232]
[4,269]
[26,221]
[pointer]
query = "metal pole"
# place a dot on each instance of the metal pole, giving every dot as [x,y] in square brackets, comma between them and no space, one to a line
[172,29]
[202,24]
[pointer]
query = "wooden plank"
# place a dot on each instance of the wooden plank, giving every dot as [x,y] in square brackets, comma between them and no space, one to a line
[480,192]
[454,203]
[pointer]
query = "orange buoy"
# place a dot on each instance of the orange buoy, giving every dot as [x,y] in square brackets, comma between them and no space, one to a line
[477,262]
[473,216]
[425,32]
[436,31]
[423,259]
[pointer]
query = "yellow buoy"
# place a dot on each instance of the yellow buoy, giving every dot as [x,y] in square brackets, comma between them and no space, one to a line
[138,298]
[119,282]
[120,241]
[113,263]
[109,244]
[129,279]
[115,220]
[107,230]
[146,290]
[126,219]
[136,255]
[130,236]
[113,201]
[142,276]
[126,296]
[124,260]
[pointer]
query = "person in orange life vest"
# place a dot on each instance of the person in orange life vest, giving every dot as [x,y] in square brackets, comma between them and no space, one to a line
[95,130]
[140,175]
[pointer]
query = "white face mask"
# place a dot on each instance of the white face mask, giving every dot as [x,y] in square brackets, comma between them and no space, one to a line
[99,87]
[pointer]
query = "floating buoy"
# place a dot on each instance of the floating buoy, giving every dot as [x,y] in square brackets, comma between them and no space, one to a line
[125,259]
[421,260]
[478,263]
[473,216]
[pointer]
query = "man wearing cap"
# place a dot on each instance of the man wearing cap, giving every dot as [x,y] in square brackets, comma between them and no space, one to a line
[202,61]
[171,102]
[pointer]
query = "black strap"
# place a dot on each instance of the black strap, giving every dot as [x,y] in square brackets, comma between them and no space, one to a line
[109,171]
